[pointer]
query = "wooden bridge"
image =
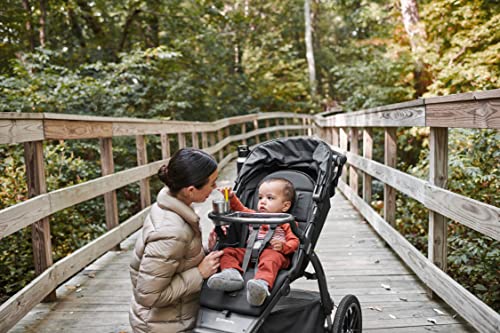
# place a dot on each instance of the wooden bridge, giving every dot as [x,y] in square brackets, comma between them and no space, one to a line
[361,251]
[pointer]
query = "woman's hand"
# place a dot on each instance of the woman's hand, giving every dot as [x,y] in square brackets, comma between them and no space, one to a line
[212,237]
[210,264]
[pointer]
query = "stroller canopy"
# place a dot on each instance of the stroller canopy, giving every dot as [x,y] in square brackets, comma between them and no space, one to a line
[306,154]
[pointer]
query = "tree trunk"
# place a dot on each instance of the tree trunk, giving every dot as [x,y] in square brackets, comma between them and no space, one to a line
[417,36]
[29,24]
[43,22]
[309,48]
[126,28]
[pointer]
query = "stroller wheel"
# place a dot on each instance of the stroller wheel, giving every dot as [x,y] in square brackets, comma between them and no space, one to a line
[348,316]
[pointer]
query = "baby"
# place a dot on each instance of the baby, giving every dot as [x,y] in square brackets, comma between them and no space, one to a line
[276,195]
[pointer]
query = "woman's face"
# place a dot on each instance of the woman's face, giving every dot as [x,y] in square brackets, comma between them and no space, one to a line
[200,195]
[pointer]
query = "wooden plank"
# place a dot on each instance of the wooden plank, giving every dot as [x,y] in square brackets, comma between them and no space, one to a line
[368,154]
[256,127]
[353,172]
[472,213]
[18,131]
[181,139]
[379,117]
[481,316]
[438,176]
[142,159]
[267,124]
[464,114]
[221,150]
[107,168]
[390,159]
[63,129]
[40,230]
[18,305]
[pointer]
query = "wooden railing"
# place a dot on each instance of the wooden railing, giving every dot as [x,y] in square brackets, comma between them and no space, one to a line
[471,110]
[218,138]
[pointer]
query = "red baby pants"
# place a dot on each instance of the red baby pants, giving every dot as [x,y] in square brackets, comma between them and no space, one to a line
[270,262]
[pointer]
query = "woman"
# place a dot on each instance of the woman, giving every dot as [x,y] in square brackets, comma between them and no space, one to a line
[169,263]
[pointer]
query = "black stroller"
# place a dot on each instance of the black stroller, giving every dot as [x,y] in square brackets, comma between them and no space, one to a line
[314,169]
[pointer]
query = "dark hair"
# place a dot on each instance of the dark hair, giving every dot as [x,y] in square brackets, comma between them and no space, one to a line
[188,167]
[288,189]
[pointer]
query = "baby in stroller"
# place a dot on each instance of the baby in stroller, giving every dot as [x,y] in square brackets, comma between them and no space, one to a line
[314,170]
[275,195]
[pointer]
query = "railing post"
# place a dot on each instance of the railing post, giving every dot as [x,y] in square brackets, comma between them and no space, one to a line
[256,127]
[343,146]
[142,159]
[165,146]
[335,136]
[390,159]
[221,151]
[243,131]
[195,140]
[268,124]
[40,230]
[353,172]
[107,168]
[368,154]
[181,139]
[438,175]
[285,124]
[204,140]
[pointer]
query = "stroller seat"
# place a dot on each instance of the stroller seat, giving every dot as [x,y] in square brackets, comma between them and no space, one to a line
[301,208]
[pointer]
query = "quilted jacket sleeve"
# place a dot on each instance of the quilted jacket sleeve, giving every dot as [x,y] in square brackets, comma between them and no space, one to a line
[158,283]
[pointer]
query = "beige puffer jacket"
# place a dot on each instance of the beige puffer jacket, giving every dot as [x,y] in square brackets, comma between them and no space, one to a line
[165,278]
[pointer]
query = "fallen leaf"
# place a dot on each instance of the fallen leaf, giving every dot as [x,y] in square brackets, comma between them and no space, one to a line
[404,299]
[377,261]
[392,316]
[386,286]
[375,308]
[70,287]
[432,320]
[78,290]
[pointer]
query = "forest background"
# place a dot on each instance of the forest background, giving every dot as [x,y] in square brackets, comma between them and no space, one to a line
[207,59]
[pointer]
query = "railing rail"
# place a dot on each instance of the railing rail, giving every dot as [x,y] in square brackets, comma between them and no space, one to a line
[470,110]
[33,129]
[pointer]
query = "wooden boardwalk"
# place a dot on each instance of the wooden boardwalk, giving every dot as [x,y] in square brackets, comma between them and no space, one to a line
[355,259]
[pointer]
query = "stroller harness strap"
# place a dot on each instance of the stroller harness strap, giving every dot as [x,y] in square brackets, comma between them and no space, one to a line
[254,249]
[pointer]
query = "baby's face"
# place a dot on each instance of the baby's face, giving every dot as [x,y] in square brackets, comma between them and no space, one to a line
[271,198]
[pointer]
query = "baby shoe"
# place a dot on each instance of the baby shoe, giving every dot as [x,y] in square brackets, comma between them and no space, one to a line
[257,292]
[228,280]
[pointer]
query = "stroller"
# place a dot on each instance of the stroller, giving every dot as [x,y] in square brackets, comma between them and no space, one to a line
[314,169]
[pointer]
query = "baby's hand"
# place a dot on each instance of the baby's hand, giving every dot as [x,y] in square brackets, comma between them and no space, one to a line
[277,245]
[230,193]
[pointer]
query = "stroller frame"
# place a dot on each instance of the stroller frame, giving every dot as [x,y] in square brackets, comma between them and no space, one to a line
[222,312]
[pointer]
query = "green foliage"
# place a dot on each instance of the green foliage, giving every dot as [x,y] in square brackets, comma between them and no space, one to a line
[463,51]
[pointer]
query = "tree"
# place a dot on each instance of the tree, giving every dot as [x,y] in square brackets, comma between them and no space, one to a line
[309,48]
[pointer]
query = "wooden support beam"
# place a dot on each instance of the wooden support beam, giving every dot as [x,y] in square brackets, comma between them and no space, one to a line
[40,230]
[256,127]
[220,136]
[107,168]
[438,175]
[142,159]
[390,159]
[368,154]
[181,139]
[353,171]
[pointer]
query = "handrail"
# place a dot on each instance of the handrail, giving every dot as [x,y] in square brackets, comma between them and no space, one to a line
[32,129]
[470,110]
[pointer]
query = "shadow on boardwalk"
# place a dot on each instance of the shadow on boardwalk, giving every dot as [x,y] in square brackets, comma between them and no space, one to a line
[355,259]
